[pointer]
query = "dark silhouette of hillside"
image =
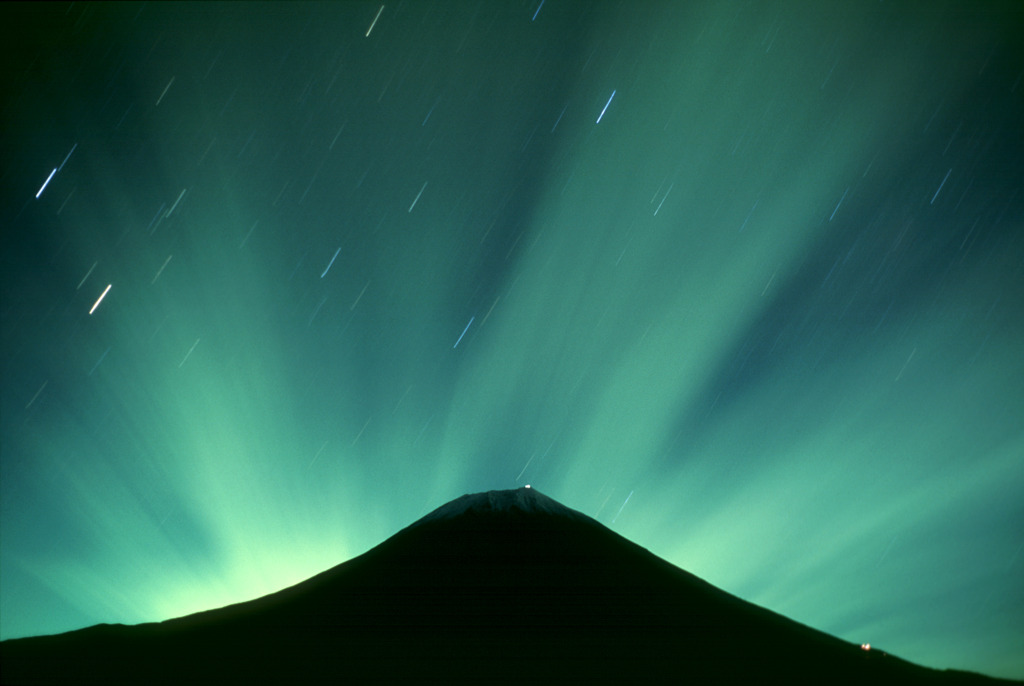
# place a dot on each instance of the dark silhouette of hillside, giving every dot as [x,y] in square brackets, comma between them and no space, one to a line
[505,586]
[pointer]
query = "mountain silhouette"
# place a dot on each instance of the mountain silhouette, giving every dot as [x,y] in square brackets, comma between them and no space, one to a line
[505,586]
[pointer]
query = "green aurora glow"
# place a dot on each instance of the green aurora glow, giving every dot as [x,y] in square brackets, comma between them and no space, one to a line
[764,318]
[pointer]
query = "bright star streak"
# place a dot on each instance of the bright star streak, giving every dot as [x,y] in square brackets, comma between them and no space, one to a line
[538,10]
[175,205]
[418,196]
[374,22]
[102,296]
[931,203]
[330,263]
[623,506]
[463,332]
[46,182]
[840,203]
[605,107]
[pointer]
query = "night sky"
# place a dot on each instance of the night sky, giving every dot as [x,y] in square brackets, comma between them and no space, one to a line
[743,281]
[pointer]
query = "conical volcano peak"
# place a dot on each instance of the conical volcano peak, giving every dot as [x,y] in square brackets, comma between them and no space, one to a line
[474,591]
[518,501]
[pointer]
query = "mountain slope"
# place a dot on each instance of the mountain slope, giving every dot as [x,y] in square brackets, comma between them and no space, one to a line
[506,586]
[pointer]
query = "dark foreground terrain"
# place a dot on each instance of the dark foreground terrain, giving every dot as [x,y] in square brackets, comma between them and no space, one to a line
[506,586]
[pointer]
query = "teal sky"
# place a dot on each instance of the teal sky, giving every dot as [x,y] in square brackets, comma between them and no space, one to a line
[743,281]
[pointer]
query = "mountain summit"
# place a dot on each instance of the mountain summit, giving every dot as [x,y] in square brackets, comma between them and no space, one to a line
[505,586]
[521,501]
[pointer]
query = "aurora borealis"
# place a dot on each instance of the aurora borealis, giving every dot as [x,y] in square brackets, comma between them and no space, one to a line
[743,281]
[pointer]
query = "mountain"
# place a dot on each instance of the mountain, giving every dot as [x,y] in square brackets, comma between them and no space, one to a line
[505,586]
